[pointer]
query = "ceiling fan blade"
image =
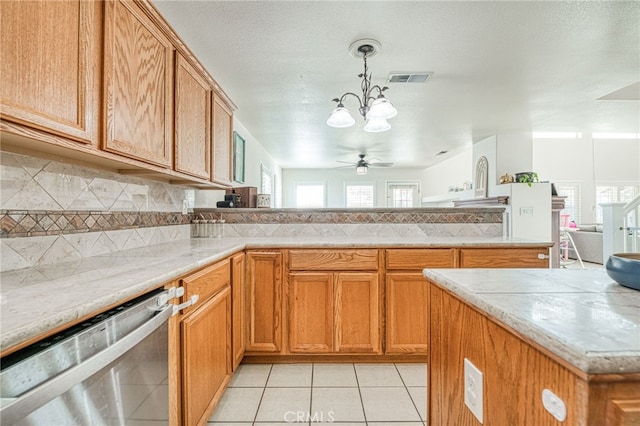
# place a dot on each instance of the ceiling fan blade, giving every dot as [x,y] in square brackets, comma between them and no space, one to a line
[346,162]
[380,164]
[345,167]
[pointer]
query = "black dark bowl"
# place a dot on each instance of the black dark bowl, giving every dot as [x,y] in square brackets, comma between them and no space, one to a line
[624,268]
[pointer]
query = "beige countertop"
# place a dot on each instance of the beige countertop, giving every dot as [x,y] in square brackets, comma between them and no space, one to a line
[36,300]
[582,316]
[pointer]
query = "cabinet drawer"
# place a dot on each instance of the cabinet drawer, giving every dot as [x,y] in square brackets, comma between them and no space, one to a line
[206,282]
[420,258]
[504,258]
[333,260]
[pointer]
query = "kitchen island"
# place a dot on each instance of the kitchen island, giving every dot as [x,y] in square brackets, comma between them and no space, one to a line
[553,347]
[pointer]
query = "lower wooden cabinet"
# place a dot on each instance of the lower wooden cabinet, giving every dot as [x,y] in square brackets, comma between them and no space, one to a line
[238,308]
[206,357]
[334,312]
[203,334]
[504,257]
[407,307]
[264,301]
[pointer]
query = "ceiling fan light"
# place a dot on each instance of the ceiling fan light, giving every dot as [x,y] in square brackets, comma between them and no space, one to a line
[382,109]
[376,125]
[340,117]
[362,170]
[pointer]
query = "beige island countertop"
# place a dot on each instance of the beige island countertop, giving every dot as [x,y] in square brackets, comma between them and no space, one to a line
[38,299]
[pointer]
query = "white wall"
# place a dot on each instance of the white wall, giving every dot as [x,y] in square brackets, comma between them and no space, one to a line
[453,171]
[577,161]
[255,154]
[335,180]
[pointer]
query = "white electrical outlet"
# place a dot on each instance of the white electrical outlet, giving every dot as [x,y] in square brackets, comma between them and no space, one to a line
[473,389]
[553,404]
[526,211]
[185,206]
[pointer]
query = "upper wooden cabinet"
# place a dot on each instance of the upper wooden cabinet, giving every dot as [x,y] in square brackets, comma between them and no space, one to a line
[222,129]
[138,85]
[192,121]
[49,58]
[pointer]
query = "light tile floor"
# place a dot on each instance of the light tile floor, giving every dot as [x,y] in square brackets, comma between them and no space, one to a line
[344,394]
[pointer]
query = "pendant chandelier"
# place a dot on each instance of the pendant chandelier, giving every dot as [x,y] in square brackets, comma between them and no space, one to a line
[375,110]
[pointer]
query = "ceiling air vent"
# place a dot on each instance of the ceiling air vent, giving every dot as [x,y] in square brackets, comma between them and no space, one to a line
[409,77]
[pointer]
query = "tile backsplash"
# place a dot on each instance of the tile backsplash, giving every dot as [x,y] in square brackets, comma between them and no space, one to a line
[52,212]
[30,183]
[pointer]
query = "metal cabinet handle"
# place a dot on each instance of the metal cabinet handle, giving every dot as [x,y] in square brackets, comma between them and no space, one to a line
[543,256]
[33,399]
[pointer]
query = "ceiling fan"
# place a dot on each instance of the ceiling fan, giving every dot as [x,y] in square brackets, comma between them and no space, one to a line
[362,166]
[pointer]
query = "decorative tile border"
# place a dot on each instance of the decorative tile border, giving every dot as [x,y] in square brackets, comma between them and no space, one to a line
[34,223]
[354,216]
[37,223]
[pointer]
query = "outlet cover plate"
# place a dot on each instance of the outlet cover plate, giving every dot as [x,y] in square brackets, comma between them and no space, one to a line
[473,387]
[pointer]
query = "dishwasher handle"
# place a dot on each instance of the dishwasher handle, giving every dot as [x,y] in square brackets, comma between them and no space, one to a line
[20,407]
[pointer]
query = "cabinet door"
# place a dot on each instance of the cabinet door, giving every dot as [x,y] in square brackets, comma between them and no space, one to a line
[222,129]
[206,356]
[310,312]
[192,121]
[138,84]
[357,312]
[49,58]
[238,308]
[504,258]
[407,306]
[264,301]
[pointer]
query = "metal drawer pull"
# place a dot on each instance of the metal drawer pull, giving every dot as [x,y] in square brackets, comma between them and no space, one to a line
[543,256]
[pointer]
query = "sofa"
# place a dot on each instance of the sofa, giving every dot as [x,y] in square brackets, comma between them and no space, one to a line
[588,241]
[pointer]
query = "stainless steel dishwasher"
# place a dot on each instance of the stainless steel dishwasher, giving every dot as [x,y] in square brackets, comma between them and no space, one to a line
[109,370]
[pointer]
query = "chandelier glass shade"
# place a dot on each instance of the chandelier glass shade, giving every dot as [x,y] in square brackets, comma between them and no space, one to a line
[375,110]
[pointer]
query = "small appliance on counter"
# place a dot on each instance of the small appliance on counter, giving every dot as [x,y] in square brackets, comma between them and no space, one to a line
[230,200]
[247,196]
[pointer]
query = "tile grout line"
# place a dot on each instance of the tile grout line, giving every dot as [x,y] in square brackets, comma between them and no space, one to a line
[407,389]
[364,413]
[255,416]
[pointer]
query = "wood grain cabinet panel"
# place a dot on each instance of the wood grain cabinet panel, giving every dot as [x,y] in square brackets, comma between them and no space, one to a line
[138,85]
[49,61]
[504,257]
[206,357]
[206,282]
[192,121]
[310,312]
[357,312]
[333,260]
[238,307]
[334,312]
[407,307]
[222,130]
[420,258]
[264,301]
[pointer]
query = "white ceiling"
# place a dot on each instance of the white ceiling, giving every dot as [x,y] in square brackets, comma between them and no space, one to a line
[498,67]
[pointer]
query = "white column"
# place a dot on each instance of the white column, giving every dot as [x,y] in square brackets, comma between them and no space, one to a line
[612,235]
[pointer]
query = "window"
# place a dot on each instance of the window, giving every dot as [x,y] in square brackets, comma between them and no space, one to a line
[359,195]
[614,193]
[572,202]
[265,179]
[403,194]
[309,195]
